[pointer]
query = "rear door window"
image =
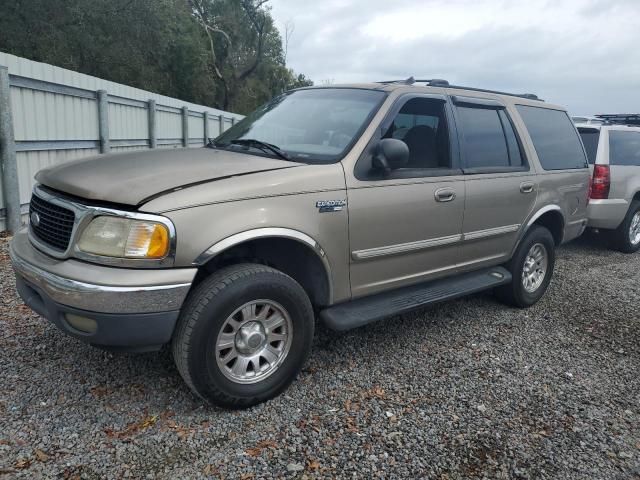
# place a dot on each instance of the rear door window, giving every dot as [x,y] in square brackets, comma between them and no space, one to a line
[488,140]
[624,148]
[554,137]
[590,139]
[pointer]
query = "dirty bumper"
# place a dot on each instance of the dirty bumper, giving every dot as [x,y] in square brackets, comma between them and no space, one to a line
[113,307]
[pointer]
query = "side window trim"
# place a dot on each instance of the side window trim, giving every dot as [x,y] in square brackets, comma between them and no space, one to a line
[523,156]
[473,102]
[506,141]
[361,171]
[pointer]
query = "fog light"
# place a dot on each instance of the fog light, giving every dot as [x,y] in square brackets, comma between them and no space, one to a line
[83,324]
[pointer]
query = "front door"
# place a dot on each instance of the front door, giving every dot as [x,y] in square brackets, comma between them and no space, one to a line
[405,226]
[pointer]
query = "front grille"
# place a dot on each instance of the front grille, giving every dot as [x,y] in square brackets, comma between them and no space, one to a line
[55,223]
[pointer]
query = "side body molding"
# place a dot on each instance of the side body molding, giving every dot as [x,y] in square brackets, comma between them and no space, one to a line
[270,232]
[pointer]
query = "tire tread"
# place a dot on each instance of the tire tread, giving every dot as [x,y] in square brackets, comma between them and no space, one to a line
[620,236]
[511,294]
[205,292]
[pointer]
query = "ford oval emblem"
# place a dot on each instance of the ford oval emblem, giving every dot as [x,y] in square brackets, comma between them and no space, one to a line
[35,219]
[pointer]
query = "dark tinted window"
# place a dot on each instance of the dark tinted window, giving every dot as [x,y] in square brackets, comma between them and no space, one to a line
[624,148]
[422,125]
[488,139]
[554,138]
[590,138]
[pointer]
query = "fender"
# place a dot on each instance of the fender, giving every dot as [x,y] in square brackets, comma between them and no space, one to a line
[532,220]
[270,232]
[539,213]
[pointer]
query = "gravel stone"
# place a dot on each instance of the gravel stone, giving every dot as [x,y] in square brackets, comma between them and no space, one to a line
[464,389]
[295,467]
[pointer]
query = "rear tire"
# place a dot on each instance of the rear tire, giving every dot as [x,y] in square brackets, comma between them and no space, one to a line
[531,267]
[243,335]
[626,238]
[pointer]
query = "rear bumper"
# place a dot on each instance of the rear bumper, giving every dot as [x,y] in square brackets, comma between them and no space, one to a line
[128,308]
[607,214]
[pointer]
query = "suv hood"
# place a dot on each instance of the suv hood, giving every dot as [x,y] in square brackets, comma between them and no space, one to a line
[134,178]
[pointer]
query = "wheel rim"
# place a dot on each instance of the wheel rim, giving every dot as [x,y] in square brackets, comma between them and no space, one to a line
[254,341]
[634,229]
[535,267]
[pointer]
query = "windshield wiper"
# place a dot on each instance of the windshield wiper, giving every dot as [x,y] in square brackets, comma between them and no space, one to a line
[264,146]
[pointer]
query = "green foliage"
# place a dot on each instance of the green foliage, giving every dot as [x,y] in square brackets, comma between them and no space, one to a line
[157,45]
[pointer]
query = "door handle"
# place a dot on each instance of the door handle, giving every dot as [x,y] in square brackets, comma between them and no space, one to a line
[444,195]
[526,187]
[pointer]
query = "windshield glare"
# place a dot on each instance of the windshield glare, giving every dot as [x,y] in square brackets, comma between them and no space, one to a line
[315,125]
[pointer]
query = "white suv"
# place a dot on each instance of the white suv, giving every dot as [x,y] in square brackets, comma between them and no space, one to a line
[614,158]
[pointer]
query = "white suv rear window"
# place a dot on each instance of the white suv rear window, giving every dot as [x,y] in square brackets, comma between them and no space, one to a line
[590,139]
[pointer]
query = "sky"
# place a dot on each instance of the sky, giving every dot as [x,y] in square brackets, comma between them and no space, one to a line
[582,54]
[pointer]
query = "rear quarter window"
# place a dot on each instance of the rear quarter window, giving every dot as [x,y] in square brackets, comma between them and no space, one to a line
[554,137]
[624,148]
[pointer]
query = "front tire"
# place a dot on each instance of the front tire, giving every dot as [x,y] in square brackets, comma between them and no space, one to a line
[243,335]
[531,267]
[626,238]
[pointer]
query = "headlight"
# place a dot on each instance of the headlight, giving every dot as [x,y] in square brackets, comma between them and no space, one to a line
[125,238]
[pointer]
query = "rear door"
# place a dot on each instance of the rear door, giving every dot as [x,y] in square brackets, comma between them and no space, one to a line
[500,184]
[405,226]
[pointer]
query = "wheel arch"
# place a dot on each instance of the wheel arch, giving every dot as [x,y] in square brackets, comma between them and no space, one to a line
[551,218]
[293,252]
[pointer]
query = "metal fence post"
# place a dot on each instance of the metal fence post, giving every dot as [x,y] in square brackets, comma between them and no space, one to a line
[8,164]
[153,136]
[221,123]
[205,119]
[185,126]
[103,121]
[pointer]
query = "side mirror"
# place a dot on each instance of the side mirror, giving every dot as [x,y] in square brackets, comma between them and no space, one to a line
[391,154]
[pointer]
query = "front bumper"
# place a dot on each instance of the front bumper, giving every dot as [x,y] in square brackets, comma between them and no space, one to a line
[134,309]
[608,213]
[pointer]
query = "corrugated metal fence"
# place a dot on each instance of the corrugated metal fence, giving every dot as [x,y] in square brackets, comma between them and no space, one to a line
[58,115]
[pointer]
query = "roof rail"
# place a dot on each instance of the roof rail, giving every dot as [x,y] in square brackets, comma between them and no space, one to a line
[435,82]
[406,81]
[620,118]
[439,82]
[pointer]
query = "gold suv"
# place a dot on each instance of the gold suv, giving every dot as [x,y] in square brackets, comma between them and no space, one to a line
[344,203]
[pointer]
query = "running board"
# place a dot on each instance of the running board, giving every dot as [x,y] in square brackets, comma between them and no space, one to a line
[362,311]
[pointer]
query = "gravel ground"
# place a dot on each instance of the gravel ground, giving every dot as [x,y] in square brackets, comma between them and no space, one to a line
[467,389]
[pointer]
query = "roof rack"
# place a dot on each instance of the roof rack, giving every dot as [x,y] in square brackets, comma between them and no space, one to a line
[620,118]
[438,82]
[434,82]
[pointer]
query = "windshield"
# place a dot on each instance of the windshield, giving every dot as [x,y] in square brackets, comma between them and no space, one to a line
[314,125]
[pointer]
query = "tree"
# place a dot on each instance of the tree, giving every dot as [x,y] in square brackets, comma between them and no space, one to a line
[239,32]
[157,45]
